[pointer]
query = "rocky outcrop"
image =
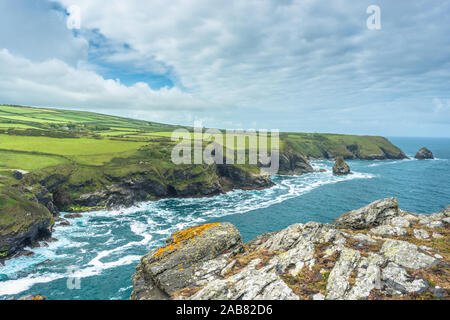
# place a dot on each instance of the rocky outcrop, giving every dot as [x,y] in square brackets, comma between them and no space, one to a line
[34,297]
[164,272]
[294,163]
[132,190]
[424,153]
[348,259]
[374,214]
[341,168]
[28,222]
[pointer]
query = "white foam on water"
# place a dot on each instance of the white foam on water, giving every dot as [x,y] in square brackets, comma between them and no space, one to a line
[10,287]
[149,219]
[136,227]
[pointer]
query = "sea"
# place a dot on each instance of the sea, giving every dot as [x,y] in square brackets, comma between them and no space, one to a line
[95,257]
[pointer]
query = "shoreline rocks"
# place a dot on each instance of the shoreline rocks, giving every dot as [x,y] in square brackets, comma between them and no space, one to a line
[341,168]
[344,260]
[423,154]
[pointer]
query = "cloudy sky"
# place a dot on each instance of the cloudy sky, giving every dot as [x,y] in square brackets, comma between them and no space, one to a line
[293,65]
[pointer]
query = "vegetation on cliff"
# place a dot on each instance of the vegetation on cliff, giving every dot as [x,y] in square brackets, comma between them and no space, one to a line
[68,160]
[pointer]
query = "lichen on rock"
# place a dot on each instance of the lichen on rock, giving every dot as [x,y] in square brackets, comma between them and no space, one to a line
[369,253]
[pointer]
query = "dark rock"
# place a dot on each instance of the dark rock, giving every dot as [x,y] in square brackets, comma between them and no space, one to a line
[424,153]
[62,222]
[439,292]
[34,225]
[233,177]
[35,244]
[293,162]
[18,174]
[72,215]
[136,189]
[23,253]
[341,168]
[43,262]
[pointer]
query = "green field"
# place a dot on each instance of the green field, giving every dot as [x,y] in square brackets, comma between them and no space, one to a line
[67,155]
[95,139]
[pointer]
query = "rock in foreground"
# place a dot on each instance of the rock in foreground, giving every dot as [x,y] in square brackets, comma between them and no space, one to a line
[370,253]
[424,153]
[341,168]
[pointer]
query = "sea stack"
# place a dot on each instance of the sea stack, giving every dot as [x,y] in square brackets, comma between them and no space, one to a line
[341,168]
[424,153]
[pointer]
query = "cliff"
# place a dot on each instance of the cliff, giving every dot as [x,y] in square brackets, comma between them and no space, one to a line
[376,252]
[71,161]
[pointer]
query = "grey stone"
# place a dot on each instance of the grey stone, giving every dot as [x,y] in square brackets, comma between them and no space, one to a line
[388,230]
[376,213]
[406,254]
[398,280]
[338,284]
[421,234]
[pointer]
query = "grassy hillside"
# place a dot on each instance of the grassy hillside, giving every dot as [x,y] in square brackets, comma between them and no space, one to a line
[77,161]
[96,146]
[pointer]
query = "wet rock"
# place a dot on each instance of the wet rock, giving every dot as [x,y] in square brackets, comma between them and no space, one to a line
[73,215]
[63,222]
[24,253]
[43,262]
[424,153]
[341,168]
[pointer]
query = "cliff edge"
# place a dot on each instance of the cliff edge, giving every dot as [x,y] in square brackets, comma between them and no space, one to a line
[376,252]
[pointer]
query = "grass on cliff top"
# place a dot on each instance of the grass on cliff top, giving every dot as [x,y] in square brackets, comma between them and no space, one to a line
[35,139]
[17,213]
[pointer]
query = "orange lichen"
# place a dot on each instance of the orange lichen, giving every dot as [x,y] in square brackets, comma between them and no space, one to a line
[184,235]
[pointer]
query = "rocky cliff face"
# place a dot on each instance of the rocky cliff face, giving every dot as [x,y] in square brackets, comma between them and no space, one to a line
[376,252]
[294,162]
[134,189]
[22,223]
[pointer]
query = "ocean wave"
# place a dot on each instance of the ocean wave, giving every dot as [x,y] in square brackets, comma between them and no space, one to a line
[153,222]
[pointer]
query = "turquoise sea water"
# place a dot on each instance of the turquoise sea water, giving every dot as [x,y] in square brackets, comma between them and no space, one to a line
[102,248]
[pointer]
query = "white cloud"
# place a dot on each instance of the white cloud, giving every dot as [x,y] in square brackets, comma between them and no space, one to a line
[54,83]
[292,64]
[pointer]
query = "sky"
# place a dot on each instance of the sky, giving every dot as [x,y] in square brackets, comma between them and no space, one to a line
[292,65]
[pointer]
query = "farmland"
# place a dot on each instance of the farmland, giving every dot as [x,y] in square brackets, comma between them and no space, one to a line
[64,160]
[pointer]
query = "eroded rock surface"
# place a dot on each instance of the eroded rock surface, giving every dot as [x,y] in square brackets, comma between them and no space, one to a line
[376,252]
